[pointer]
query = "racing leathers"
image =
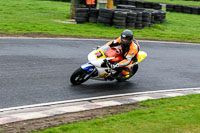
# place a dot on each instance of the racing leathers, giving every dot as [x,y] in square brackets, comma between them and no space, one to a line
[129,53]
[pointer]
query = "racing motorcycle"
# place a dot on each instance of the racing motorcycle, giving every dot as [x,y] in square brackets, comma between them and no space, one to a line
[100,65]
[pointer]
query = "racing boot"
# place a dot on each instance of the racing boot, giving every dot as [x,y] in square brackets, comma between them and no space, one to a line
[122,78]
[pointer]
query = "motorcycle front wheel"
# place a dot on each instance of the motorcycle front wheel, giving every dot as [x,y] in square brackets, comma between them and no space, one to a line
[79,76]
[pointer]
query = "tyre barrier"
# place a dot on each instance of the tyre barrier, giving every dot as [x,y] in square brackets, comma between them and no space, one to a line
[119,19]
[82,15]
[139,4]
[135,18]
[93,15]
[105,16]
[183,9]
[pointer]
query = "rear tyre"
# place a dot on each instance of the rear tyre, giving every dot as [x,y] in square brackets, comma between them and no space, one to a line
[79,76]
[134,70]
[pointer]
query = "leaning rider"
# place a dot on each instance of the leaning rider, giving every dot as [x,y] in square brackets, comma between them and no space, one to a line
[129,48]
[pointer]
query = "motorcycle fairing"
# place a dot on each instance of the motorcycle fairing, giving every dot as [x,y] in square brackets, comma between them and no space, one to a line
[100,54]
[88,67]
[142,56]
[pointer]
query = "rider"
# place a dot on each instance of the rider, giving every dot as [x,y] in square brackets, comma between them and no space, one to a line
[129,48]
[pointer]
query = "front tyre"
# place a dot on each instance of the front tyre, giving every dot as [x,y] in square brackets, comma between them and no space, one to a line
[79,76]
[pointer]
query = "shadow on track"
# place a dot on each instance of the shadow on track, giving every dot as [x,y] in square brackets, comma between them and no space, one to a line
[104,87]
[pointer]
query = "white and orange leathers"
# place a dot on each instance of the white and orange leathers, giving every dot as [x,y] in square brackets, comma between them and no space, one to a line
[130,54]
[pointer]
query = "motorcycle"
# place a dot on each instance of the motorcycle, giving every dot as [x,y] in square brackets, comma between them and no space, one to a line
[100,66]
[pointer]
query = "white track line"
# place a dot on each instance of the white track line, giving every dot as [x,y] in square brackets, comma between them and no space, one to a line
[94,98]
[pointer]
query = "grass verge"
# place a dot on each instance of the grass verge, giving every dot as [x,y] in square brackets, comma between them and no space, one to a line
[172,115]
[37,17]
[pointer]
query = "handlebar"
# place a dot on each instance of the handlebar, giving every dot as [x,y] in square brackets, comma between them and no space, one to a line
[108,63]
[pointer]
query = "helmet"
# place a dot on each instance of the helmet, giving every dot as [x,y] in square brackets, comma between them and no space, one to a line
[126,37]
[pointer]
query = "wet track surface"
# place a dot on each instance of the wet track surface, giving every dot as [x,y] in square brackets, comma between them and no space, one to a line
[34,71]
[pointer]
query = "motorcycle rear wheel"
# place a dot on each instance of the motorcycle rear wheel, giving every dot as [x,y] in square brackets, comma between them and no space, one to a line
[134,70]
[79,76]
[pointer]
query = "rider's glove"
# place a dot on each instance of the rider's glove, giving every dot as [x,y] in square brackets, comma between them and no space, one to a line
[115,66]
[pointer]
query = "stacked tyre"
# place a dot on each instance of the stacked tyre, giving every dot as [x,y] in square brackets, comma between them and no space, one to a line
[116,2]
[183,8]
[178,8]
[148,5]
[82,15]
[196,10]
[169,7]
[93,15]
[131,2]
[187,9]
[137,18]
[156,6]
[105,16]
[124,2]
[131,19]
[138,24]
[153,16]
[119,19]
[129,7]
[163,16]
[140,4]
[159,16]
[146,19]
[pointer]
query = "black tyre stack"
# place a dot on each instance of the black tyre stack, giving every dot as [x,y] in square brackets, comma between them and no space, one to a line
[139,4]
[178,8]
[82,15]
[124,2]
[169,7]
[148,5]
[128,7]
[122,17]
[196,10]
[158,16]
[131,19]
[156,6]
[183,9]
[131,2]
[146,19]
[105,16]
[93,15]
[116,2]
[163,16]
[119,19]
[187,9]
[138,24]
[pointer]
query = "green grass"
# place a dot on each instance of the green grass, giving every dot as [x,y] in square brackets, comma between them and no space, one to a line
[37,16]
[173,115]
[178,2]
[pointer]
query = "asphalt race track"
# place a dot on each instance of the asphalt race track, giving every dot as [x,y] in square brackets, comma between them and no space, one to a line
[34,71]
